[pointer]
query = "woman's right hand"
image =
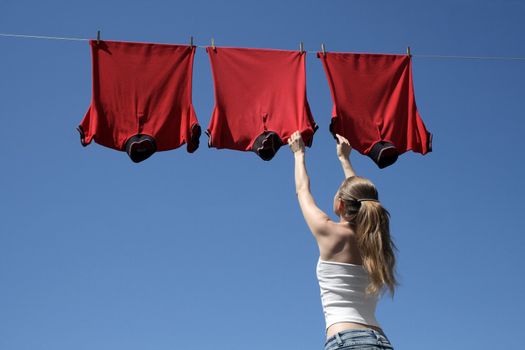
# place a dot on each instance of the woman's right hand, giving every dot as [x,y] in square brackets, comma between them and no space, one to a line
[296,143]
[343,147]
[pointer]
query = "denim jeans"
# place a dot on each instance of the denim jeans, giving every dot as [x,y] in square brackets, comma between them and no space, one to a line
[358,339]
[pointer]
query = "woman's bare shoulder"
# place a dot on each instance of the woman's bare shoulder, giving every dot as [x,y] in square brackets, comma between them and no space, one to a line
[340,241]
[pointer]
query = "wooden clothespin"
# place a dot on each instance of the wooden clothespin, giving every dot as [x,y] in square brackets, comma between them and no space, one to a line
[408,51]
[213,44]
[98,37]
[323,48]
[301,47]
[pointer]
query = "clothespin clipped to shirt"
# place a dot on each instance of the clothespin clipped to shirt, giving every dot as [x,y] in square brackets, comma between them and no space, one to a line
[323,48]
[212,43]
[301,47]
[408,51]
[191,41]
[98,37]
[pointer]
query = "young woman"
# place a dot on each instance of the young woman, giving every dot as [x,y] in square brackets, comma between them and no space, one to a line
[357,261]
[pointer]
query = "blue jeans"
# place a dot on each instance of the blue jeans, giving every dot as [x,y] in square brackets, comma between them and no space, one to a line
[358,339]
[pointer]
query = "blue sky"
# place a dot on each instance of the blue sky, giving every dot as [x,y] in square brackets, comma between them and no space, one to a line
[209,250]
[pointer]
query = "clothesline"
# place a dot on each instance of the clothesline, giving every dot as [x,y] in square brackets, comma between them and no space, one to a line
[506,58]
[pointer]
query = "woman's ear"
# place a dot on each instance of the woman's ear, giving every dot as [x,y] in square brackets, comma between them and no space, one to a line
[340,206]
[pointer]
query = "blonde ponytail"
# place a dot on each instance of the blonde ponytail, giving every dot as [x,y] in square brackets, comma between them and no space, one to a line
[376,246]
[372,226]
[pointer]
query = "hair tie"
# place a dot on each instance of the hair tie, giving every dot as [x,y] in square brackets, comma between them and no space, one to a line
[359,200]
[368,200]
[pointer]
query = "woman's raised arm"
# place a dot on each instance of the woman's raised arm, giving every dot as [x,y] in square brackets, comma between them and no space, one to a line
[343,149]
[316,219]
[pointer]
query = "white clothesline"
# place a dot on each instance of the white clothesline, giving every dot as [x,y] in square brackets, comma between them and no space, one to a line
[506,58]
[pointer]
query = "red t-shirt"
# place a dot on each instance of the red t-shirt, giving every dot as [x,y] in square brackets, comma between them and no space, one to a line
[374,101]
[256,92]
[141,90]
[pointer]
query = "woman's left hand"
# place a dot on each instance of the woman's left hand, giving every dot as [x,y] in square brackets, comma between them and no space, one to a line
[296,142]
[343,147]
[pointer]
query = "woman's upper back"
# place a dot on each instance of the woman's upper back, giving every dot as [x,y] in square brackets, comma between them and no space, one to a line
[339,244]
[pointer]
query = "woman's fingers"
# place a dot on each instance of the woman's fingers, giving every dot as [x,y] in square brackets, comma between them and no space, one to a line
[296,142]
[342,139]
[295,136]
[292,138]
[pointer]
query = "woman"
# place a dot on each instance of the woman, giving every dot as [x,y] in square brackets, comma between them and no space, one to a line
[356,262]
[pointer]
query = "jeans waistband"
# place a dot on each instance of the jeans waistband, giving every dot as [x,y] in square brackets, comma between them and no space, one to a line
[358,335]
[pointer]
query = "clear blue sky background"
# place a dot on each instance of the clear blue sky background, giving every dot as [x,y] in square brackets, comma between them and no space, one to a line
[209,250]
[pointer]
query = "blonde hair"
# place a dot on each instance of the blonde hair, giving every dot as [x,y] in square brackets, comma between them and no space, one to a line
[371,222]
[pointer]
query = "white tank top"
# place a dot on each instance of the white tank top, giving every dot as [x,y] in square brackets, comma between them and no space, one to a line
[343,293]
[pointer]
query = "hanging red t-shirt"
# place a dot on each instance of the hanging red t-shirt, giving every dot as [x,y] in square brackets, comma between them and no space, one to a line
[141,98]
[374,104]
[260,99]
